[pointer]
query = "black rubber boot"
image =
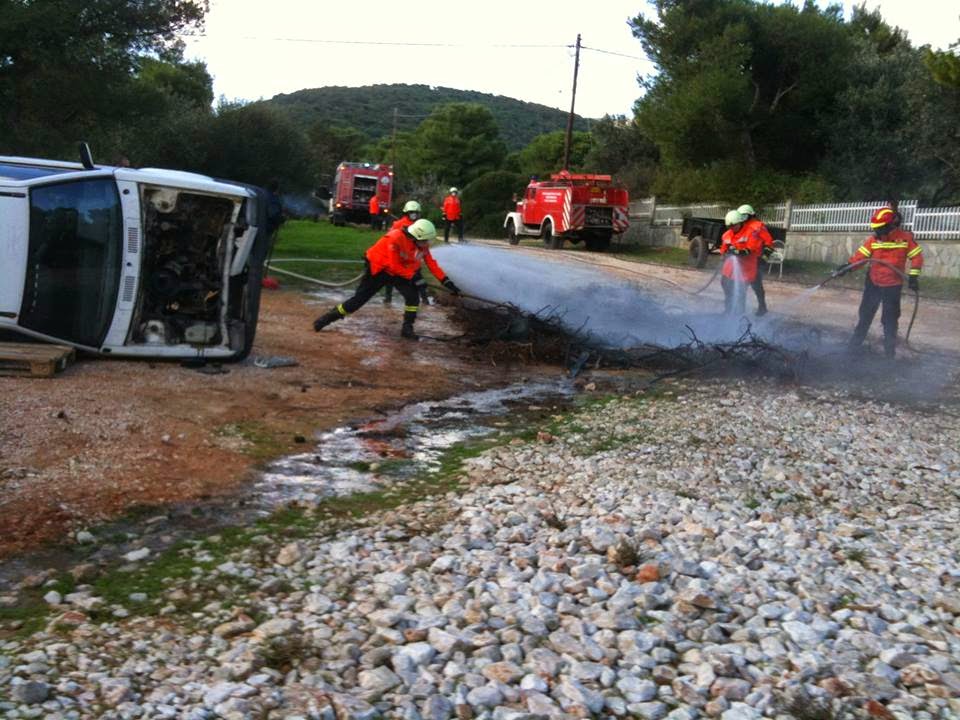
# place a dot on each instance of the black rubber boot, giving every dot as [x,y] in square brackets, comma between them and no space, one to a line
[407,332]
[331,316]
[761,311]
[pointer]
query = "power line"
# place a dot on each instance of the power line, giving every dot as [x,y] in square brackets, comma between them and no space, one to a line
[611,52]
[389,43]
[398,43]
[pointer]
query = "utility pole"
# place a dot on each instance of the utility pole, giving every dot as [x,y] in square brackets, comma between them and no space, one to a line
[393,142]
[573,101]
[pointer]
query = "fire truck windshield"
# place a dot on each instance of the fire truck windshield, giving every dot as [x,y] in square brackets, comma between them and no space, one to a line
[73,260]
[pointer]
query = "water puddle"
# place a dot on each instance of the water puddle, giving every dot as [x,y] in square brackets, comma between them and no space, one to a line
[405,444]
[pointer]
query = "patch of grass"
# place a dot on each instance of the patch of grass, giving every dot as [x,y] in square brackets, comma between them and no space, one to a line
[751,503]
[856,555]
[321,240]
[846,600]
[261,443]
[32,612]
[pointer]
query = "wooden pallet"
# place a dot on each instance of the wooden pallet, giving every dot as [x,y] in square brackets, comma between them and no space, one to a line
[34,359]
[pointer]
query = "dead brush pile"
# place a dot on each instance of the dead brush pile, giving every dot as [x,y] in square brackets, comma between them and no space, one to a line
[504,333]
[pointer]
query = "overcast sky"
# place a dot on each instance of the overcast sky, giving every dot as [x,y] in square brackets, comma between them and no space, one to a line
[256,49]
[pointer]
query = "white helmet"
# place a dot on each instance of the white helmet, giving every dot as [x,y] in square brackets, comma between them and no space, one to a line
[453,191]
[411,206]
[422,231]
[746,210]
[734,217]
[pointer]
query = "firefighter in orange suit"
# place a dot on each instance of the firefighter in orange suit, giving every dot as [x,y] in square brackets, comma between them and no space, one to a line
[755,225]
[452,214]
[374,209]
[740,248]
[394,260]
[889,247]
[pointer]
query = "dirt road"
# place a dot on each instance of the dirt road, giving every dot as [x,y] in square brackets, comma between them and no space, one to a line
[937,326]
[107,436]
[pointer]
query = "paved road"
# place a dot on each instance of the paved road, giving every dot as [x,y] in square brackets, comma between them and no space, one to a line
[937,326]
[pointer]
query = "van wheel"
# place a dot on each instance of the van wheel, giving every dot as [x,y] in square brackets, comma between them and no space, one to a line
[547,235]
[512,233]
[698,251]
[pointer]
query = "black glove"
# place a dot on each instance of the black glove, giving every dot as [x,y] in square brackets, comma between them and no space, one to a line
[914,283]
[449,285]
[767,251]
[742,252]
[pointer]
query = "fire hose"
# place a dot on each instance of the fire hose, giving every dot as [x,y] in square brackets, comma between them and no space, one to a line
[270,266]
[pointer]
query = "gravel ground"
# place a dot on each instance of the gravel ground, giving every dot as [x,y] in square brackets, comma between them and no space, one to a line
[708,550]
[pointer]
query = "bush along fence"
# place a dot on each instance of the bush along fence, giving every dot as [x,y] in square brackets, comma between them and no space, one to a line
[939,223]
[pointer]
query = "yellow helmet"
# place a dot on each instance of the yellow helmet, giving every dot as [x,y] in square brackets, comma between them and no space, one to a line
[422,231]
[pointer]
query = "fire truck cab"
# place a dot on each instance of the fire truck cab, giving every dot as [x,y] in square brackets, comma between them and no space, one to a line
[570,206]
[353,186]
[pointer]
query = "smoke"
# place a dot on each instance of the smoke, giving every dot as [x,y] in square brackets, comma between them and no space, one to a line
[614,313]
[299,205]
[622,314]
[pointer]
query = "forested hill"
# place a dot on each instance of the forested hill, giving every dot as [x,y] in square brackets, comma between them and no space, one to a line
[370,109]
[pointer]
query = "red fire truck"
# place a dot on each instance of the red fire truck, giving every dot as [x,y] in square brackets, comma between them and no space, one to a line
[570,206]
[353,186]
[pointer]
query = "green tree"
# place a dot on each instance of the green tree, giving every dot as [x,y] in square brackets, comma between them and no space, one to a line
[621,149]
[67,65]
[544,154]
[487,200]
[456,144]
[740,85]
[332,144]
[892,133]
[256,143]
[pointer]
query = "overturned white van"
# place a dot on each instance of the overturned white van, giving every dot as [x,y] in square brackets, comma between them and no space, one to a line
[134,262]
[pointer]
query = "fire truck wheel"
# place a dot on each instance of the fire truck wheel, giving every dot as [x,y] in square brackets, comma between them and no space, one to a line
[698,251]
[512,233]
[547,235]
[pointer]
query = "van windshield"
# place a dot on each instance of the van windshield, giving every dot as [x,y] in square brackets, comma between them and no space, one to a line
[73,260]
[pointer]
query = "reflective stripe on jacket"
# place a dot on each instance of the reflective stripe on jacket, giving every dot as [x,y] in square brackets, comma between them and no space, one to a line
[741,268]
[451,207]
[396,254]
[895,248]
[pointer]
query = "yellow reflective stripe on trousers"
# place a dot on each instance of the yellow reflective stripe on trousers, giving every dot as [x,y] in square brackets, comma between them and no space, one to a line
[914,271]
[916,251]
[411,308]
[342,310]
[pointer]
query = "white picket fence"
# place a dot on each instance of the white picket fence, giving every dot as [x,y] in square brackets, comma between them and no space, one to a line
[941,223]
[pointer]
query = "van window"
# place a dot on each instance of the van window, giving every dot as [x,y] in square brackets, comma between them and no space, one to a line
[73,260]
